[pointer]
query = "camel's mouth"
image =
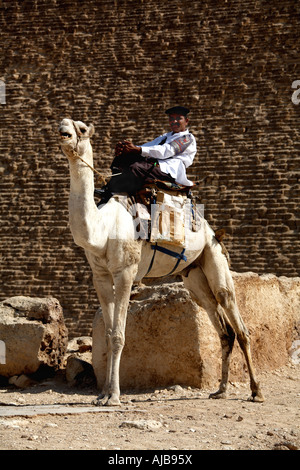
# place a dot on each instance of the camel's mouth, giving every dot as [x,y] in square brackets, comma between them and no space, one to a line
[65,135]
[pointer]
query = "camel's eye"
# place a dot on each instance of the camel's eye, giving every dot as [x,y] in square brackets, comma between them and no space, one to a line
[83,130]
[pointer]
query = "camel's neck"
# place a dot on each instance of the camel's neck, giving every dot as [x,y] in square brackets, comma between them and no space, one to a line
[83,212]
[82,177]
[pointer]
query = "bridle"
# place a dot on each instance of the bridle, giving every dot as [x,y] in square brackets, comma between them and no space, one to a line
[76,154]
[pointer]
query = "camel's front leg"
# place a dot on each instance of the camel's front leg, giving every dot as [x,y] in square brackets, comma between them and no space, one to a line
[103,284]
[123,283]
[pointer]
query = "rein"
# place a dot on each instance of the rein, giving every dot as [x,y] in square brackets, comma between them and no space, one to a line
[76,154]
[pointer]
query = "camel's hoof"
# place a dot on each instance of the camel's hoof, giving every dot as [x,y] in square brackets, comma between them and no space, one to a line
[113,402]
[217,395]
[97,402]
[257,397]
[101,400]
[106,401]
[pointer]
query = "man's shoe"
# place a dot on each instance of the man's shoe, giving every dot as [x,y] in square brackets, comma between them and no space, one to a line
[105,196]
[99,192]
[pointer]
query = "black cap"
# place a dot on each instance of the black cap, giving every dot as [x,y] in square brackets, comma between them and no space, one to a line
[181,110]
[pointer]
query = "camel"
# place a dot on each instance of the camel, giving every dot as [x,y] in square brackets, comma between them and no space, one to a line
[118,260]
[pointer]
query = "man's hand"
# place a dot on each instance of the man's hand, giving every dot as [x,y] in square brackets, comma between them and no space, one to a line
[119,148]
[126,147]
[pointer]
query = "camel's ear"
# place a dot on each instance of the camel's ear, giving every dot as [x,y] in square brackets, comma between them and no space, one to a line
[91,130]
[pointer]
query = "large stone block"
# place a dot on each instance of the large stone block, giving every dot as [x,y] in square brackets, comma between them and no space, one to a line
[270,307]
[170,340]
[162,340]
[33,333]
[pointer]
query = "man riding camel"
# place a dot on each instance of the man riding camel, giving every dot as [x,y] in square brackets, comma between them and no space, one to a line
[164,158]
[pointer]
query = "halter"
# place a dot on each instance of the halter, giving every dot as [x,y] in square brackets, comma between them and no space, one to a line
[76,154]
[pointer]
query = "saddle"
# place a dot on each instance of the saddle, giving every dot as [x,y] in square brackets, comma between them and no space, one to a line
[159,210]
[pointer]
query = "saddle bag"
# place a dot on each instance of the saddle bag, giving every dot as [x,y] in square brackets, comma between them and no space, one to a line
[168,218]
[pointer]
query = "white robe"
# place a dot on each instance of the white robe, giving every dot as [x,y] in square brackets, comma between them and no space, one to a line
[170,162]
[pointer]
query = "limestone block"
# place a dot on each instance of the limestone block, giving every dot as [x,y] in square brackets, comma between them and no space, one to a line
[270,307]
[34,334]
[162,345]
[170,340]
[21,381]
[79,371]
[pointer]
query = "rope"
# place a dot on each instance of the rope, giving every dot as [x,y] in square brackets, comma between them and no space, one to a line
[91,167]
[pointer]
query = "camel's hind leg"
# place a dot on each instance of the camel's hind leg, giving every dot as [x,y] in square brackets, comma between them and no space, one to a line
[200,291]
[216,270]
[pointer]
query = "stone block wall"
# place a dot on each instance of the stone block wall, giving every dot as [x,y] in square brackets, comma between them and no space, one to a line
[120,64]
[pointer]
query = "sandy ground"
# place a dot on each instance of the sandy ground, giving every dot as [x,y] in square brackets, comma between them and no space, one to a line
[176,418]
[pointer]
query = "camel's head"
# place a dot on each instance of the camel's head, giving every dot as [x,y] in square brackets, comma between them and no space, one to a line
[74,135]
